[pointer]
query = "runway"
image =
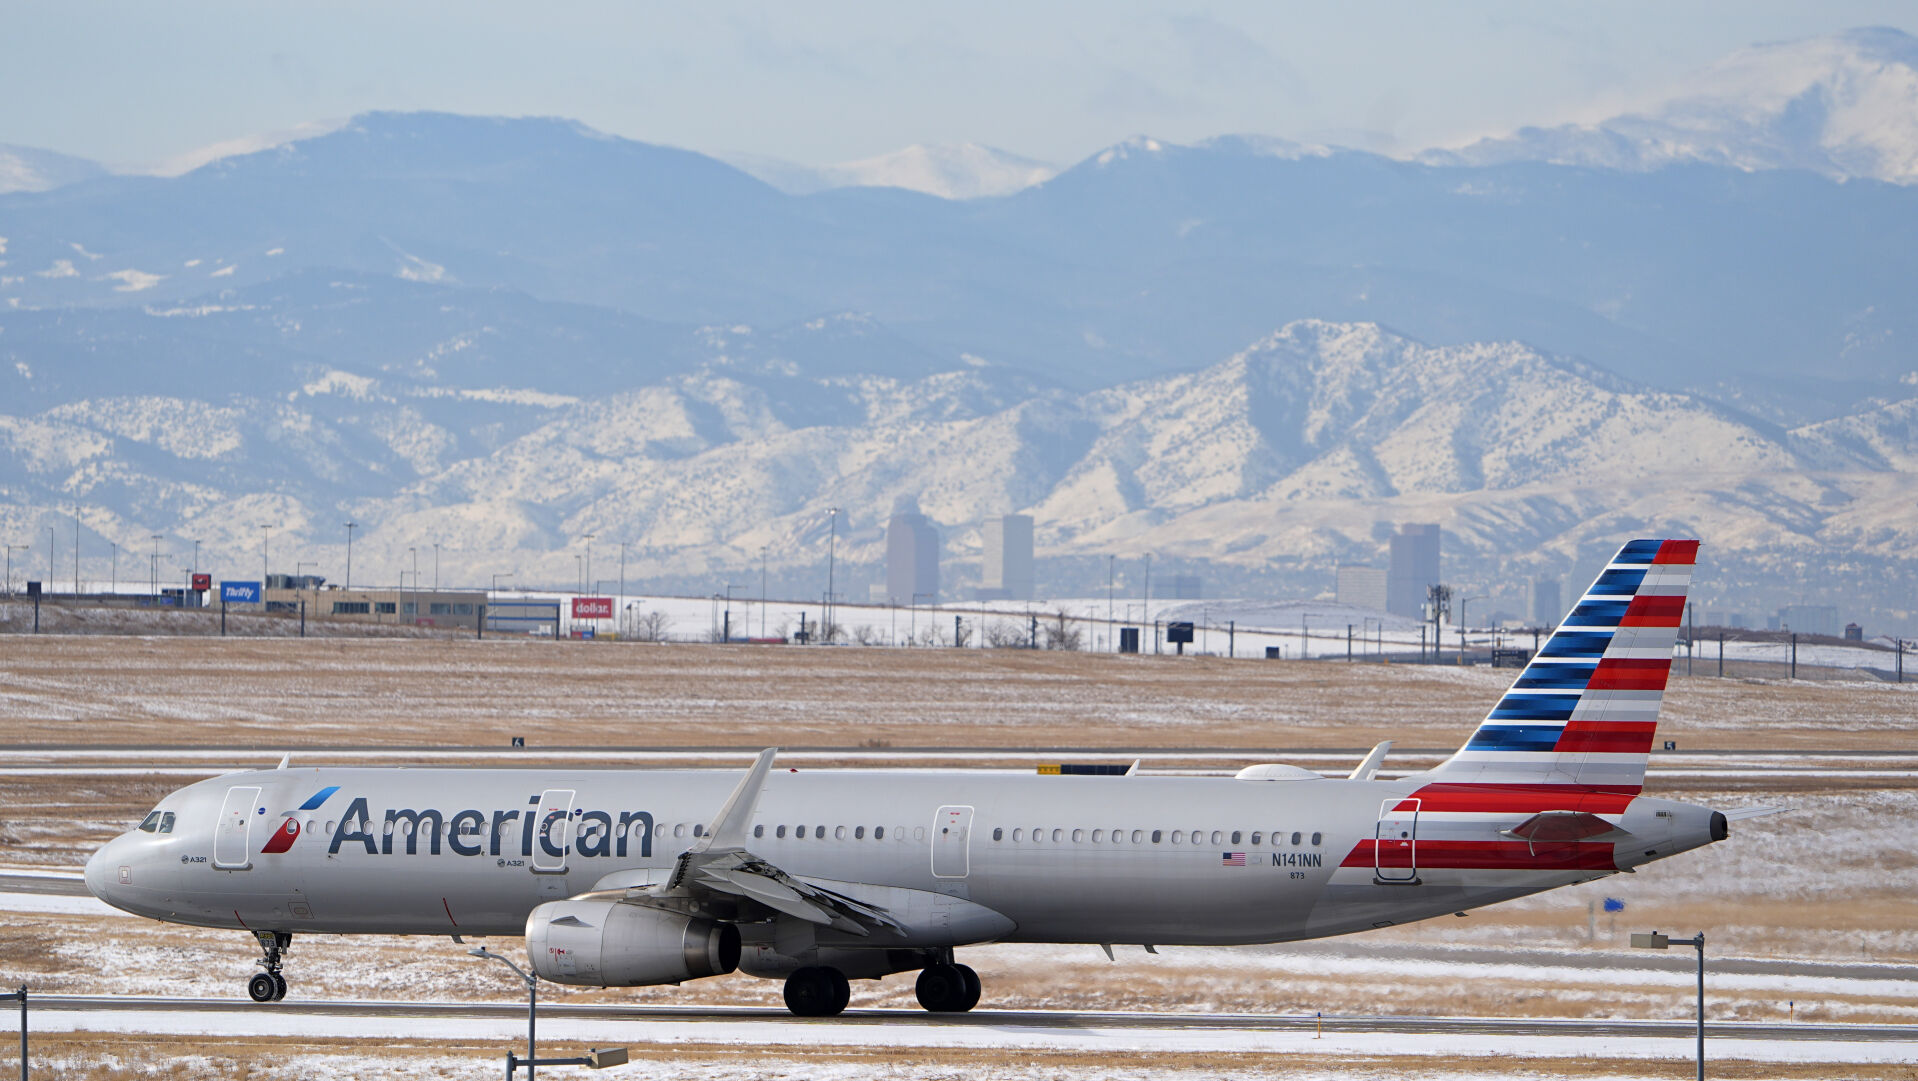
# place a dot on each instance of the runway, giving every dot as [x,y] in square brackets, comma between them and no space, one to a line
[990,1019]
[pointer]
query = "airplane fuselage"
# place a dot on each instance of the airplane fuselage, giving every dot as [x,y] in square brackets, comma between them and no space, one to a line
[1135,859]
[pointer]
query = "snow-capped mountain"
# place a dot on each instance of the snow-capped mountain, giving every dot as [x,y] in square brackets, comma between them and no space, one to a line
[1843,105]
[26,168]
[1291,454]
[947,170]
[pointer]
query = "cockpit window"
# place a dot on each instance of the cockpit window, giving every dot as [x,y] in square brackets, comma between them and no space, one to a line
[150,823]
[166,822]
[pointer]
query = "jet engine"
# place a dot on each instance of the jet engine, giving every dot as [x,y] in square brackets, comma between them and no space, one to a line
[611,944]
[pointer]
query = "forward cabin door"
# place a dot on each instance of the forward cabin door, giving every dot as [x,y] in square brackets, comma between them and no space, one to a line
[232,835]
[951,839]
[1395,842]
[553,831]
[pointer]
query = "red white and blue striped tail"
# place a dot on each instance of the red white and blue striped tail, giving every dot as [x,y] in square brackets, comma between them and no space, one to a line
[1585,710]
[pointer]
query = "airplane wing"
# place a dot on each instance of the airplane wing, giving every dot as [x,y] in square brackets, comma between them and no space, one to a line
[719,867]
[1753,812]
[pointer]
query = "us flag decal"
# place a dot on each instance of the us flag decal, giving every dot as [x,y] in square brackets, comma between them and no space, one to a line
[1233,859]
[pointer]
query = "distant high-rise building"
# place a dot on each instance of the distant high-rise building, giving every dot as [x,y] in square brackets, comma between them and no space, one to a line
[1548,605]
[912,558]
[1184,587]
[1809,619]
[1414,568]
[1007,570]
[1362,587]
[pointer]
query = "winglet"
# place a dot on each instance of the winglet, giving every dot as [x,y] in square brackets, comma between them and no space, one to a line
[1369,768]
[729,827]
[285,760]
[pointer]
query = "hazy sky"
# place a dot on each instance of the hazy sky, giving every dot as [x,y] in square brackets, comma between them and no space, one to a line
[134,83]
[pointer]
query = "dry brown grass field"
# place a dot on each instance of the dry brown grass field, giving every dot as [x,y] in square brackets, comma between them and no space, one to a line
[1832,882]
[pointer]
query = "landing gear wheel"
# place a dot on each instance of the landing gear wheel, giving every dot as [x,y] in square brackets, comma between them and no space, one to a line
[262,987]
[268,985]
[817,991]
[943,988]
[974,988]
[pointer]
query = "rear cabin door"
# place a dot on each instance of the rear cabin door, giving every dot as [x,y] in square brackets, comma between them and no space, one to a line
[1395,843]
[553,831]
[232,835]
[951,838]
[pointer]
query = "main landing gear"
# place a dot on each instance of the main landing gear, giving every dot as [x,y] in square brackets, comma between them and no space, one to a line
[817,991]
[269,985]
[948,988]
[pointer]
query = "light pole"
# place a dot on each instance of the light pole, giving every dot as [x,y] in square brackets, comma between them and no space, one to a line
[156,580]
[350,527]
[1145,607]
[76,551]
[1111,560]
[196,557]
[1463,601]
[832,548]
[762,589]
[155,566]
[727,634]
[532,1008]
[588,576]
[113,583]
[623,545]
[497,577]
[1305,652]
[436,566]
[1657,941]
[264,530]
[579,576]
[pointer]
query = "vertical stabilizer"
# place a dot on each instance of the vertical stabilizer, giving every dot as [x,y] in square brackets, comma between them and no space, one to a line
[1585,710]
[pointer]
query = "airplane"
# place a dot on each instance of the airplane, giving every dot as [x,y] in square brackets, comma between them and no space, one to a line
[630,878]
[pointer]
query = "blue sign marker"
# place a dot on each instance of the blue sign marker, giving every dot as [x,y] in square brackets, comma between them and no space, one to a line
[239,592]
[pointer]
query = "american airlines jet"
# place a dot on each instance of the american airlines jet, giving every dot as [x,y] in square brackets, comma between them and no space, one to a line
[626,878]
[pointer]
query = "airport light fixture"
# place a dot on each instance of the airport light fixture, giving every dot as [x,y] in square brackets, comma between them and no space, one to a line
[1657,941]
[264,530]
[497,577]
[597,1058]
[350,527]
[587,574]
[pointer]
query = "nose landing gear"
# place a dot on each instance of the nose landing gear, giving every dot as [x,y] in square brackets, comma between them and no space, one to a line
[269,985]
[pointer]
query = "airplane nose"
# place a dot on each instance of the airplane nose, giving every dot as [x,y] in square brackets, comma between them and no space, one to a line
[101,870]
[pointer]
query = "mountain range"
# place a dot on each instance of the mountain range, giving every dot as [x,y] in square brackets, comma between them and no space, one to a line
[1247,355]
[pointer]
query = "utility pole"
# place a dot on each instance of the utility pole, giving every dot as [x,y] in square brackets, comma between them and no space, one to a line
[350,527]
[832,550]
[264,530]
[156,587]
[113,583]
[623,545]
[762,589]
[154,567]
[1145,609]
[76,551]
[587,580]
[436,566]
[1111,643]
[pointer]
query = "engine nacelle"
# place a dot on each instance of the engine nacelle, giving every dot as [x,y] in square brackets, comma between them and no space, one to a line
[609,944]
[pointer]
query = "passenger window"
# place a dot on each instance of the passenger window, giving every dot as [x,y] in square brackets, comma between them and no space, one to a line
[1018,835]
[781,833]
[819,833]
[1219,838]
[1295,838]
[329,825]
[699,829]
[879,833]
[1315,840]
[659,830]
[387,830]
[1058,835]
[1255,838]
[679,829]
[859,833]
[919,833]
[759,831]
[998,833]
[1138,836]
[1178,837]
[1155,836]
[1235,836]
[166,822]
[1098,836]
[839,833]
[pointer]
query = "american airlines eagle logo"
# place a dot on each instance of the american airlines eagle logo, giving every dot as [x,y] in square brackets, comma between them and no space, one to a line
[289,830]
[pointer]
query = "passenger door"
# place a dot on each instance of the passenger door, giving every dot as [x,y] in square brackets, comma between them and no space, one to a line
[1395,842]
[553,827]
[951,840]
[232,834]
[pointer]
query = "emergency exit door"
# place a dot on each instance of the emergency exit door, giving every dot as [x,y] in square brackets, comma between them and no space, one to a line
[951,840]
